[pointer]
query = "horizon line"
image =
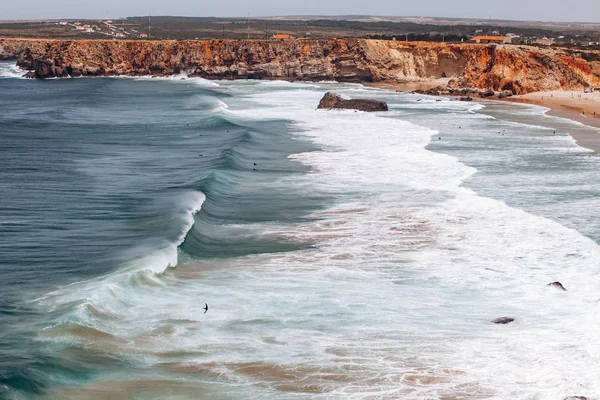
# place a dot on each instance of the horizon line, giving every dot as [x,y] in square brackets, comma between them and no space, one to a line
[305,16]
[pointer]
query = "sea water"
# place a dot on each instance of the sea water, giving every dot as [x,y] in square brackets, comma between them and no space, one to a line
[342,254]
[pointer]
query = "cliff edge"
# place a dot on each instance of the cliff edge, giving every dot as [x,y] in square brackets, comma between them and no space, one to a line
[519,69]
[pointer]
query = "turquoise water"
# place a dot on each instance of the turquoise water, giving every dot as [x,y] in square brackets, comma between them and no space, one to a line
[342,254]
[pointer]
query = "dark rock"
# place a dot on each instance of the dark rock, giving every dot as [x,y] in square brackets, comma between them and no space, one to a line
[503,320]
[75,72]
[466,98]
[334,100]
[437,91]
[30,74]
[557,285]
[575,398]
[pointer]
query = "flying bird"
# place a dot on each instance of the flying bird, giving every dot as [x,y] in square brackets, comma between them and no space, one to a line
[205,308]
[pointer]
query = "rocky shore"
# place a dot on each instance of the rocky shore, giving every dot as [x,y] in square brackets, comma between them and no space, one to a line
[465,94]
[499,68]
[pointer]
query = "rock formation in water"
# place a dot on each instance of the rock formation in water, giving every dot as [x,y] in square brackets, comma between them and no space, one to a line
[334,100]
[509,68]
[557,285]
[503,320]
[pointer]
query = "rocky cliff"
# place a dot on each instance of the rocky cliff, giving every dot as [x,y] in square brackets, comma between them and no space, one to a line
[519,69]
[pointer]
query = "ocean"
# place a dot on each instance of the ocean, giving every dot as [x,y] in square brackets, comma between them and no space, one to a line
[341,254]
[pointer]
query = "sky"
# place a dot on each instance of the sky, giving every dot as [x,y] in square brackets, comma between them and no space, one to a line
[530,10]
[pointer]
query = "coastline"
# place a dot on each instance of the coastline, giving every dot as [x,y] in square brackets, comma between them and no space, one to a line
[574,106]
[577,106]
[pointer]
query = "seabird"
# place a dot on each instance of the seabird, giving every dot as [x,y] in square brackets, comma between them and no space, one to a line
[205,308]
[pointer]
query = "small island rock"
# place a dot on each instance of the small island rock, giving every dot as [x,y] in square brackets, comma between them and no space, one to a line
[557,285]
[334,100]
[503,320]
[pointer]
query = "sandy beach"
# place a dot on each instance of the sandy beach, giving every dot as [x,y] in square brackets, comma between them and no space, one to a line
[574,105]
[578,106]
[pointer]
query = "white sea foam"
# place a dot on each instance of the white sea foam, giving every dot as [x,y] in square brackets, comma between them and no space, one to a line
[395,300]
[467,243]
[181,77]
[10,70]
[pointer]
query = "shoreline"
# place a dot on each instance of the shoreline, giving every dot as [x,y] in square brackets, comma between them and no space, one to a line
[580,107]
[575,106]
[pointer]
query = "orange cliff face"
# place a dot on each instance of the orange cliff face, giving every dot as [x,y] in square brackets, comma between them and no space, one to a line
[520,69]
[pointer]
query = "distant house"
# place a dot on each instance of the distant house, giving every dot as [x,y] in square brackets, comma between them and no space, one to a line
[491,39]
[283,36]
[143,35]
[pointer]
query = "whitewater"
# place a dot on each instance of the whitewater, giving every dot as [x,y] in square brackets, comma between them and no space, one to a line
[343,254]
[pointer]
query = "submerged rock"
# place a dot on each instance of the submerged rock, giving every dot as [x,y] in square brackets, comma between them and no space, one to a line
[557,285]
[503,320]
[576,398]
[334,100]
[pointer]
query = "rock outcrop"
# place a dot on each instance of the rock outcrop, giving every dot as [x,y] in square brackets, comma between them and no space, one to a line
[503,320]
[501,68]
[557,285]
[334,100]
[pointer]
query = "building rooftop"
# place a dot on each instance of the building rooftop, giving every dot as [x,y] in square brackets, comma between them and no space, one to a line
[282,36]
[490,38]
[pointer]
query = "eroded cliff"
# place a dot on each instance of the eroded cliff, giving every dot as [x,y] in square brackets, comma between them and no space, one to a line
[520,69]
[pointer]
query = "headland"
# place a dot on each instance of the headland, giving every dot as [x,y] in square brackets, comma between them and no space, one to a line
[513,69]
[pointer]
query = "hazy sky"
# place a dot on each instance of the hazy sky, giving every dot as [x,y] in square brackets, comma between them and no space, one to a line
[539,10]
